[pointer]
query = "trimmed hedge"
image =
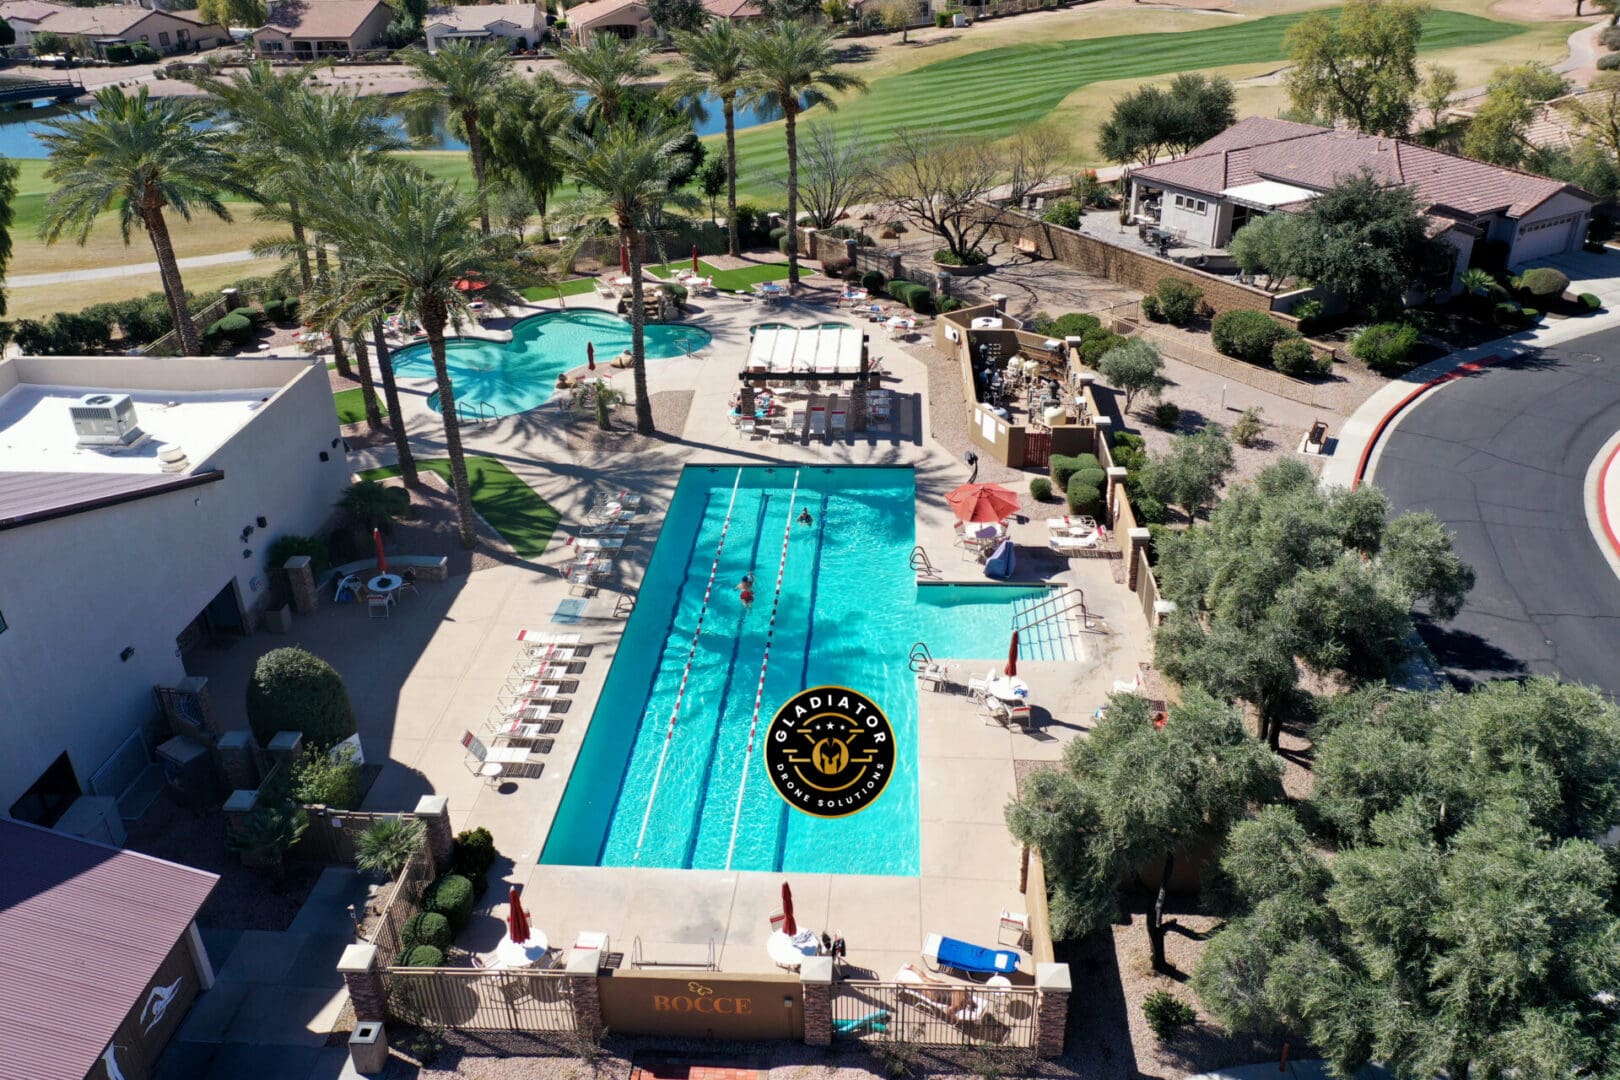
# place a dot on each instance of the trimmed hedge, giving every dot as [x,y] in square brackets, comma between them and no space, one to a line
[1247,335]
[1591,302]
[1084,492]
[1385,345]
[873,281]
[472,857]
[1543,282]
[914,296]
[1073,324]
[1040,489]
[234,328]
[1064,467]
[424,956]
[1176,301]
[1294,356]
[294,690]
[427,928]
[452,897]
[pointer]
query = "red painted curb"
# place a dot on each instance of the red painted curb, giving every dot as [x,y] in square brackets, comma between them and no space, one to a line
[1603,508]
[1383,424]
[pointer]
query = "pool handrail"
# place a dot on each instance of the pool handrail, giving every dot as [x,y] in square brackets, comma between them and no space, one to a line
[686,671]
[759,690]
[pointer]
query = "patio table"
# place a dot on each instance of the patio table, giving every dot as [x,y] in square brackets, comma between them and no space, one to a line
[383,584]
[510,954]
[1008,688]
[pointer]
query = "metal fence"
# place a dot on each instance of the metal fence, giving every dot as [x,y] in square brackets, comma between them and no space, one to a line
[169,344]
[935,1014]
[403,904]
[333,834]
[473,999]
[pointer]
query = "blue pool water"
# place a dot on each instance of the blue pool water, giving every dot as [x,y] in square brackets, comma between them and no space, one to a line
[850,611]
[519,375]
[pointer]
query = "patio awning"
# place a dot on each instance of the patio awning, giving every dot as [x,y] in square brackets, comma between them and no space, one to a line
[1268,194]
[822,350]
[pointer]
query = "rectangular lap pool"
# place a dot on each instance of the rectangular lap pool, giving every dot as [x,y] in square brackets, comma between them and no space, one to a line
[849,612]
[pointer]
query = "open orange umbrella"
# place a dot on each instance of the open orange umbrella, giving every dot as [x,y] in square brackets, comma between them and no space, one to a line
[983,502]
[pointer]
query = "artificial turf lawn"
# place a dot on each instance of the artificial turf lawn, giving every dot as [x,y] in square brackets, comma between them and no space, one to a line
[997,91]
[524,519]
[551,292]
[731,280]
[351,407]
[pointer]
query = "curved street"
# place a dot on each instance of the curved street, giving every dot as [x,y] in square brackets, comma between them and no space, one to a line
[1501,456]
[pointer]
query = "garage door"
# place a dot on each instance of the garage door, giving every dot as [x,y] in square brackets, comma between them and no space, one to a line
[1543,238]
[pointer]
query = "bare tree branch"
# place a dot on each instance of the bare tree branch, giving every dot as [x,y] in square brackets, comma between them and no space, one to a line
[941,182]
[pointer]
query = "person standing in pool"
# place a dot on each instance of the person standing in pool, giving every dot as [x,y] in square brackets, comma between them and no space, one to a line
[805,518]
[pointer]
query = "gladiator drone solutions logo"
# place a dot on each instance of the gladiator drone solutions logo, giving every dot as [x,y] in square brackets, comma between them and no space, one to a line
[830,751]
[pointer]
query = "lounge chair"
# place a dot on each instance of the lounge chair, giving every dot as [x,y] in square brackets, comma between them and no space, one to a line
[1072,545]
[941,952]
[546,637]
[492,763]
[598,543]
[935,674]
[1075,525]
[938,996]
[517,732]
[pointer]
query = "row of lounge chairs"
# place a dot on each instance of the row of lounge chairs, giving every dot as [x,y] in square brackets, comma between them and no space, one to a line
[527,711]
[609,523]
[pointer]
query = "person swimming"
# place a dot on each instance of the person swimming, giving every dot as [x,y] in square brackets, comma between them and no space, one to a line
[746,589]
[805,518]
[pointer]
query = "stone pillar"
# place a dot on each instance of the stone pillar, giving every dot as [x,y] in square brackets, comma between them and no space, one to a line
[285,746]
[816,977]
[891,262]
[1116,483]
[239,760]
[1139,538]
[238,805]
[811,247]
[1000,300]
[857,406]
[942,283]
[582,992]
[851,252]
[362,976]
[1162,610]
[433,811]
[1052,988]
[368,1048]
[301,583]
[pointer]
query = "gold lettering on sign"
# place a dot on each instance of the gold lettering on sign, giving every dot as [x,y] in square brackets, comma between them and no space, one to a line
[729,1006]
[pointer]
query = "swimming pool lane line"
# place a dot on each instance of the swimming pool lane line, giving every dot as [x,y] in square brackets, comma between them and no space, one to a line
[804,668]
[686,672]
[759,691]
[689,849]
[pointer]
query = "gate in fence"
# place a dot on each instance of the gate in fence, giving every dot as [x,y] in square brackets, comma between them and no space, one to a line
[935,1014]
[476,999]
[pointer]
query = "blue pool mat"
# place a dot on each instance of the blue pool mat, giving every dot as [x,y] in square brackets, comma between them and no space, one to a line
[569,611]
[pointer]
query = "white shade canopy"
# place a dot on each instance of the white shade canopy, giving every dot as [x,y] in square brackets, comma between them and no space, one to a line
[824,349]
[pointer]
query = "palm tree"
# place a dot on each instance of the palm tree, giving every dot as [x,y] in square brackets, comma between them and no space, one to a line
[631,168]
[720,67]
[520,139]
[792,70]
[607,67]
[409,240]
[465,79]
[145,155]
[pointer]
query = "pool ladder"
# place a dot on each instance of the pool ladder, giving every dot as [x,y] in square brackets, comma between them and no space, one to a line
[921,563]
[468,416]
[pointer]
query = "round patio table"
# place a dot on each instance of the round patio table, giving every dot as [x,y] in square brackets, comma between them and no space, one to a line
[383,584]
[511,954]
[1008,688]
[784,952]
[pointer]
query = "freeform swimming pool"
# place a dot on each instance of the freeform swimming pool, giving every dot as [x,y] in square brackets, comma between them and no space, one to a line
[850,610]
[521,374]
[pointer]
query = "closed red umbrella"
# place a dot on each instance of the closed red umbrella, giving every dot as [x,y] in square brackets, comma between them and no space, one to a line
[382,559]
[789,927]
[624,258]
[983,502]
[590,355]
[1012,657]
[517,920]
[694,259]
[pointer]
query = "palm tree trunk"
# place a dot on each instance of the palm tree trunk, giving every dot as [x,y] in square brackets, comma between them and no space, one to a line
[638,346]
[396,418]
[303,245]
[790,114]
[1155,925]
[174,290]
[729,104]
[433,322]
[368,390]
[339,356]
[475,150]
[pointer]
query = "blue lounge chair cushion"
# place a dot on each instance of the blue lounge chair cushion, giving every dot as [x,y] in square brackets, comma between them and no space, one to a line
[947,952]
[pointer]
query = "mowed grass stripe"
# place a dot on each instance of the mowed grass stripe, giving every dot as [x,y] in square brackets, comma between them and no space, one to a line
[997,91]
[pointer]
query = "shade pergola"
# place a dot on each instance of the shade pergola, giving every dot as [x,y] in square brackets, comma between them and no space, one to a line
[829,353]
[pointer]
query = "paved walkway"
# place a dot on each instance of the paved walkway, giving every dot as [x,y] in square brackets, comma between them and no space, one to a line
[101,273]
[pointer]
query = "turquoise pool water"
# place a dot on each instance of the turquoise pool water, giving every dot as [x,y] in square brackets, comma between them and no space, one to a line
[850,611]
[519,375]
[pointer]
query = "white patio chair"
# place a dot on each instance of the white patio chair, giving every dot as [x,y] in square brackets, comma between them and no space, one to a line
[747,425]
[491,763]
[350,582]
[380,607]
[935,675]
[1073,545]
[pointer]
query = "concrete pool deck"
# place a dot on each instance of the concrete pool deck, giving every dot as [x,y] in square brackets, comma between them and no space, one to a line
[433,670]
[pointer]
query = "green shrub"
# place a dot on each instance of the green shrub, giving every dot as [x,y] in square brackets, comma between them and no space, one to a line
[1040,489]
[777,233]
[1166,414]
[423,956]
[1084,492]
[291,309]
[911,294]
[275,310]
[293,690]
[326,779]
[1507,313]
[1294,356]
[1543,282]
[677,290]
[1249,427]
[1150,309]
[1177,300]
[1167,1014]
[234,328]
[1064,467]
[452,897]
[873,281]
[387,846]
[473,855]
[1247,335]
[947,257]
[1591,302]
[1530,315]
[782,244]
[1610,38]
[1073,324]
[1098,344]
[1309,312]
[946,303]
[142,53]
[1609,62]
[1149,510]
[120,54]
[1384,346]
[942,19]
[286,547]
[427,928]
[251,314]
[1129,451]
[1064,212]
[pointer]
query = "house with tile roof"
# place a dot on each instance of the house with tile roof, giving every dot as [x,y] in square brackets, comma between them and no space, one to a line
[520,25]
[624,18]
[166,32]
[26,15]
[1262,165]
[734,10]
[311,29]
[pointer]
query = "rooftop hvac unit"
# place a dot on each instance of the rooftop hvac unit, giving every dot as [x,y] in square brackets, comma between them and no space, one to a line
[104,420]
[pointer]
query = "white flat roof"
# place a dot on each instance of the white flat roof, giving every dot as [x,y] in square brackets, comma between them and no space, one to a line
[36,433]
[1270,193]
[824,349]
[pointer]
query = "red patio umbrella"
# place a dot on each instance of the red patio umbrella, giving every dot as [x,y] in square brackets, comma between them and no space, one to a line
[983,502]
[382,559]
[694,259]
[624,258]
[789,927]
[590,355]
[517,920]
[1012,657]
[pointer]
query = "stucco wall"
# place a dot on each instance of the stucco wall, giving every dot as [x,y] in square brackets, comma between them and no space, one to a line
[75,591]
[1199,228]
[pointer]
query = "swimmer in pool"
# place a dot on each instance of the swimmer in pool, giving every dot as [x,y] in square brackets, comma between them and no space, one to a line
[746,589]
[805,518]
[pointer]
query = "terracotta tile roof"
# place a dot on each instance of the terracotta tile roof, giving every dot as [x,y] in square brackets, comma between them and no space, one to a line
[327,19]
[1260,148]
[29,497]
[83,928]
[478,16]
[596,10]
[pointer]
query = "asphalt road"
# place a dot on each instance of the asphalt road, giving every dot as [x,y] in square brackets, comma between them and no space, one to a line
[1501,457]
